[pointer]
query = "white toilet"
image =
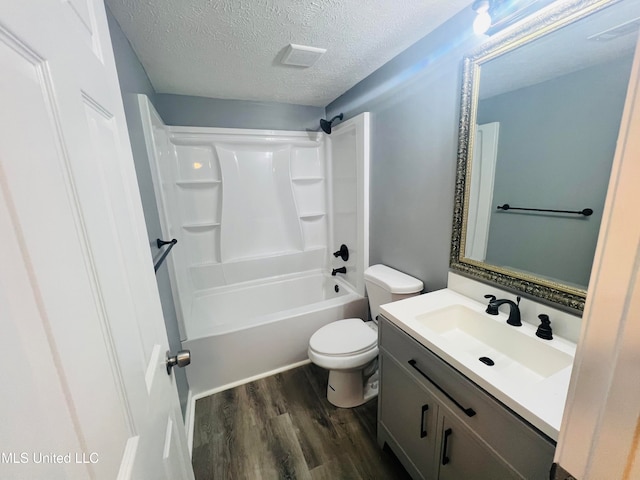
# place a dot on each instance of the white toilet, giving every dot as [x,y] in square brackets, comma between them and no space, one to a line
[349,348]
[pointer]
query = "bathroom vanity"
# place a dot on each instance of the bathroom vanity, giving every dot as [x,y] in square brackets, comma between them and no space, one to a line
[445,417]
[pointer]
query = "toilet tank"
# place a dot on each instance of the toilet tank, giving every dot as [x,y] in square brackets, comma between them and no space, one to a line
[385,285]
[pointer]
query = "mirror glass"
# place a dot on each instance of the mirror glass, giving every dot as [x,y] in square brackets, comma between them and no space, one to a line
[540,118]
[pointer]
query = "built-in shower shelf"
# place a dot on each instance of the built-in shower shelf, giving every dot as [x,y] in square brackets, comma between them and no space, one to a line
[307,179]
[312,215]
[200,226]
[203,264]
[197,183]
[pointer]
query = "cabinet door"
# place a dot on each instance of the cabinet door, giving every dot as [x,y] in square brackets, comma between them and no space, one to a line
[463,454]
[410,415]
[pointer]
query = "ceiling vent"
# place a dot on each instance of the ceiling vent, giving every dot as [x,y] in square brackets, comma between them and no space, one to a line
[302,55]
[623,29]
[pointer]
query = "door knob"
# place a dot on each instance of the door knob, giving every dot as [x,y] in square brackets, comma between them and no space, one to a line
[181,359]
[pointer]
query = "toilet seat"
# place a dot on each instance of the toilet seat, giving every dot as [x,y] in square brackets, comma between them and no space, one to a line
[344,344]
[343,337]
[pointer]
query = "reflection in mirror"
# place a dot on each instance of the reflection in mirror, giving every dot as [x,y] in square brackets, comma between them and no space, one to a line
[543,118]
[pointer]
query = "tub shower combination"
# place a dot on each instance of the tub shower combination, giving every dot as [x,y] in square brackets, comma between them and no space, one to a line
[257,215]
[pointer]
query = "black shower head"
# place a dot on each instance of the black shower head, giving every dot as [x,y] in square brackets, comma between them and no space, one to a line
[325,125]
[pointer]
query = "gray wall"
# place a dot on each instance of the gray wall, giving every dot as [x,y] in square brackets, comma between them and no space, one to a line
[557,156]
[215,112]
[133,79]
[414,101]
[131,74]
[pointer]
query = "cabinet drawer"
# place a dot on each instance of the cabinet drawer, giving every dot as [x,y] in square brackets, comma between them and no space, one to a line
[519,444]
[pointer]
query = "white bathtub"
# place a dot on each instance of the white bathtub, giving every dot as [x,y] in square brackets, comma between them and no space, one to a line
[247,330]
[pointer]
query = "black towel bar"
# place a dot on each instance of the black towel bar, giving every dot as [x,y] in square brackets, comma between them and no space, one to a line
[586,212]
[160,244]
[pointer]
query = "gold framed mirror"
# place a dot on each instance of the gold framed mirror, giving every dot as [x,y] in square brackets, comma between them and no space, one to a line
[541,105]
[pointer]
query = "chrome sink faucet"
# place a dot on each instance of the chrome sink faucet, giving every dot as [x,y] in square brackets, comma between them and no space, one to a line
[514,309]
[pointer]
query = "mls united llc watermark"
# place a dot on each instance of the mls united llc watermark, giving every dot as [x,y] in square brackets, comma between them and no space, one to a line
[53,458]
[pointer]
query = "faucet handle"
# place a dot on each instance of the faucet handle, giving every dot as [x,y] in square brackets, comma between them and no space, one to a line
[492,308]
[342,253]
[544,330]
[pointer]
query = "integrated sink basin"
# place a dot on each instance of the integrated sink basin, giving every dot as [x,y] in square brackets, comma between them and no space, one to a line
[518,357]
[526,373]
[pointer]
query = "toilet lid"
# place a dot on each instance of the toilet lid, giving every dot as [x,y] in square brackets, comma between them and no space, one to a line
[343,337]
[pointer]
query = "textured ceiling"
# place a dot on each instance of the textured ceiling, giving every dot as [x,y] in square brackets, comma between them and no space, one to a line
[232,48]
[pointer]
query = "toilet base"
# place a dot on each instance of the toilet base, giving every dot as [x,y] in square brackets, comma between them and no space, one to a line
[347,388]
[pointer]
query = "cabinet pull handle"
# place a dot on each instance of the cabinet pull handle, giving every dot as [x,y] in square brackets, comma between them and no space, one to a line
[445,447]
[470,412]
[423,429]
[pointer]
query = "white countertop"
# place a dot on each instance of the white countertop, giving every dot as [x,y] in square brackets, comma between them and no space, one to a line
[541,402]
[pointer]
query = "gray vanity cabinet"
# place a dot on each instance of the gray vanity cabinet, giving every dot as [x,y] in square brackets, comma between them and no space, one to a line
[464,455]
[442,426]
[410,415]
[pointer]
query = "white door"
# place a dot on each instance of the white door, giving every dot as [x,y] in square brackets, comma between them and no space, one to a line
[485,155]
[85,393]
[600,432]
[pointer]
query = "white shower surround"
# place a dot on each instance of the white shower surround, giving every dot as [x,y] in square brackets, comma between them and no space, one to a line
[254,213]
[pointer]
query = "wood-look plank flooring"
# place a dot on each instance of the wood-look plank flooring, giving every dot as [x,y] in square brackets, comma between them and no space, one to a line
[283,427]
